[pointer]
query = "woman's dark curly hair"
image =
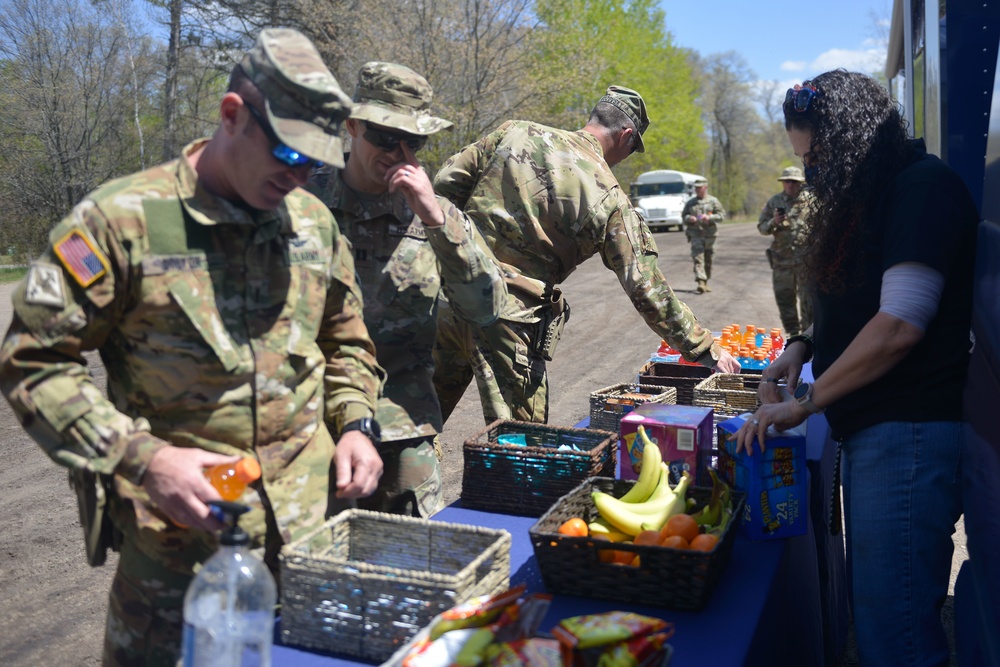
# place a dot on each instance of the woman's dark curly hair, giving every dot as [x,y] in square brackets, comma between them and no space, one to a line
[858,145]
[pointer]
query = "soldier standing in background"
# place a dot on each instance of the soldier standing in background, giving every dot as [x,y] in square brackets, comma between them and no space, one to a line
[410,248]
[545,200]
[785,216]
[702,215]
[222,300]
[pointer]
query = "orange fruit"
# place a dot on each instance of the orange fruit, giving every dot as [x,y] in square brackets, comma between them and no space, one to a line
[704,542]
[647,537]
[635,561]
[681,524]
[623,557]
[675,542]
[575,527]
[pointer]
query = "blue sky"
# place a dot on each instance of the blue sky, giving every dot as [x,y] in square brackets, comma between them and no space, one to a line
[783,40]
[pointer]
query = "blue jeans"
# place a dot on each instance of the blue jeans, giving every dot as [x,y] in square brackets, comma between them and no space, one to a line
[902,499]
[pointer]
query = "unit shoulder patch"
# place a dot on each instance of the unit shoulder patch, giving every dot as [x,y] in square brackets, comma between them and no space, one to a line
[44,286]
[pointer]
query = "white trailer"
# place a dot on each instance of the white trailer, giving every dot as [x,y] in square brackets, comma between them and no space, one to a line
[660,197]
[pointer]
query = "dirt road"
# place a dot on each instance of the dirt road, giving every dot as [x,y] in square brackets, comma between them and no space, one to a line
[52,604]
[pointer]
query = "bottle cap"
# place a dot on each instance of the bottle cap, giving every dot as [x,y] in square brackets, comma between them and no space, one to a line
[229,513]
[247,470]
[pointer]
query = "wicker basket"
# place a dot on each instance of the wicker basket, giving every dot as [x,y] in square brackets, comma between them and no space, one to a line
[364,582]
[678,579]
[729,395]
[609,405]
[528,479]
[681,377]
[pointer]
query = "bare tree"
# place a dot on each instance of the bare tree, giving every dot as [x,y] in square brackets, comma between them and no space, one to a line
[69,93]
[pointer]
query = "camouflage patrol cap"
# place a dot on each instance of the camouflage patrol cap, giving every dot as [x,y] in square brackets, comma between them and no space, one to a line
[395,96]
[304,102]
[632,105]
[700,182]
[792,174]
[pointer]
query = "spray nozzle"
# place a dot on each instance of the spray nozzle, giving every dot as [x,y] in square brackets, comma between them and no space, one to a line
[229,513]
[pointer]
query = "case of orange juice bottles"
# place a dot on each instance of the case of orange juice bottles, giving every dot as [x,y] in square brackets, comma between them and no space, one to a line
[232,479]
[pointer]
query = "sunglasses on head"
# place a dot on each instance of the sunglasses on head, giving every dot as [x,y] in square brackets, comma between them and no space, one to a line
[282,153]
[389,142]
[801,97]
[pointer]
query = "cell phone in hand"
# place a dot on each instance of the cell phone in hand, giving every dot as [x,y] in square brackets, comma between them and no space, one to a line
[780,210]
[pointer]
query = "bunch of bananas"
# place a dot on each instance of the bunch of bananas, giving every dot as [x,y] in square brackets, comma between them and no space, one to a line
[651,502]
[648,504]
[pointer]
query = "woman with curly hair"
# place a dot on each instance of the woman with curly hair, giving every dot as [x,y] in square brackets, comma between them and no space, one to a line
[892,251]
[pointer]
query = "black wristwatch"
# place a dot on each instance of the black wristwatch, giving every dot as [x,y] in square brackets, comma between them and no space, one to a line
[366,425]
[803,396]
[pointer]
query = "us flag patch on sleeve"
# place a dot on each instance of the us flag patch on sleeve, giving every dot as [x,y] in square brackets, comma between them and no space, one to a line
[81,257]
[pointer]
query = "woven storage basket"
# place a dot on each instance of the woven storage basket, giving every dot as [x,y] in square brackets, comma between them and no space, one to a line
[609,405]
[674,578]
[729,395]
[681,377]
[364,582]
[526,480]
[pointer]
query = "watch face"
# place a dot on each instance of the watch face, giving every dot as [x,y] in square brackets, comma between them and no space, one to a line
[801,391]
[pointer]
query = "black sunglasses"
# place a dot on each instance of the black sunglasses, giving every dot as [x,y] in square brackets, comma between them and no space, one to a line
[389,142]
[282,153]
[801,97]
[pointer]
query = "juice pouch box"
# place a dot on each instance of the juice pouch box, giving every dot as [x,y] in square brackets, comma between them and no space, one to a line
[680,431]
[774,481]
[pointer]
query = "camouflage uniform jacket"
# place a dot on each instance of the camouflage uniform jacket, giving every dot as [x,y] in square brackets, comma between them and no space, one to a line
[709,206]
[220,328]
[545,200]
[790,236]
[403,268]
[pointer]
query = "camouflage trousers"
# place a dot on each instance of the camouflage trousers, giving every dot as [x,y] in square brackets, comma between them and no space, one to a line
[792,296]
[509,374]
[410,484]
[702,250]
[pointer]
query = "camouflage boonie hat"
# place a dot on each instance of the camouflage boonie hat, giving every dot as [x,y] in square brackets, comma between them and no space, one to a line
[631,104]
[304,102]
[792,174]
[395,96]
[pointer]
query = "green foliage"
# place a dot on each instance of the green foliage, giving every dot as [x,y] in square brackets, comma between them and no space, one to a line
[626,43]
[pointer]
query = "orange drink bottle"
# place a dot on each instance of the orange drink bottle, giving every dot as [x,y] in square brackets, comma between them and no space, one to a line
[232,479]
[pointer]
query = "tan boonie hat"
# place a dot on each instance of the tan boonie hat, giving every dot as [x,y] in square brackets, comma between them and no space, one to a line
[305,104]
[631,104]
[395,96]
[700,182]
[792,174]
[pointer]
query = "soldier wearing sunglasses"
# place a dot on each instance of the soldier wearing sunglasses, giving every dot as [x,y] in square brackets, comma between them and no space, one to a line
[546,200]
[410,249]
[221,297]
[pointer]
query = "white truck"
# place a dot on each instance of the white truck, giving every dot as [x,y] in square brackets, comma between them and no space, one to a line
[660,197]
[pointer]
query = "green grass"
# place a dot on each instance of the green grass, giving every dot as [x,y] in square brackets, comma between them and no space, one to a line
[11,275]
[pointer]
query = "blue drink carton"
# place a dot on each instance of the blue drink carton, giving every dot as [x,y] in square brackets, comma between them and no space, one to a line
[774,481]
[680,431]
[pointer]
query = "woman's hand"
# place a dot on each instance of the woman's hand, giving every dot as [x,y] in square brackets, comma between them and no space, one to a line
[782,415]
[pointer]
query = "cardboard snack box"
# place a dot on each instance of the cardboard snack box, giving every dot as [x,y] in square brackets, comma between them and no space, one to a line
[680,431]
[774,481]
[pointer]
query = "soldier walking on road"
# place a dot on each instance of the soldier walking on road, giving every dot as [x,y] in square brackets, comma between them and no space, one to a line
[410,248]
[221,297]
[785,216]
[702,215]
[545,200]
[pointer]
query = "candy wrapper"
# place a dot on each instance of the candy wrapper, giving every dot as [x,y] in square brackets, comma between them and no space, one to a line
[534,652]
[612,639]
[462,636]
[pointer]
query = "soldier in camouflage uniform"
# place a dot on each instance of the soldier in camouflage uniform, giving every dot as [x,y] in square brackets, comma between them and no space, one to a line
[409,249]
[702,215]
[785,216]
[545,200]
[222,300]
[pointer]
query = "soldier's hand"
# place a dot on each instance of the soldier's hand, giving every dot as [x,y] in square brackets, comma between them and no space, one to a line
[409,179]
[175,481]
[358,466]
[727,363]
[779,218]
